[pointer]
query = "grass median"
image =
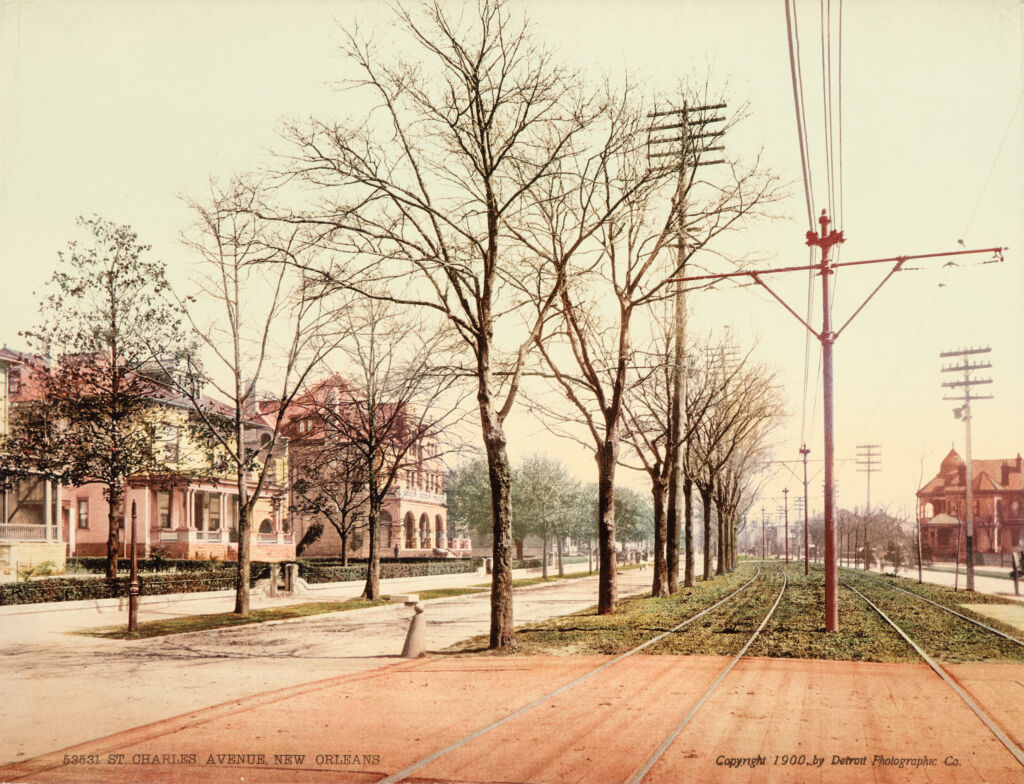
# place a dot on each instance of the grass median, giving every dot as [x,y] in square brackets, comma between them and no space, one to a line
[796,630]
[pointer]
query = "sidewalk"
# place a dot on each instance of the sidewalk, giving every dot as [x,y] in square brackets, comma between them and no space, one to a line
[62,690]
[27,622]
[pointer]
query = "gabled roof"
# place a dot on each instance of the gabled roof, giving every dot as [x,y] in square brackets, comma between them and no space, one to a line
[986,482]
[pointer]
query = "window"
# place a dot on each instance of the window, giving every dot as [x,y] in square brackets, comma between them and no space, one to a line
[163,508]
[214,502]
[170,441]
[231,512]
[83,513]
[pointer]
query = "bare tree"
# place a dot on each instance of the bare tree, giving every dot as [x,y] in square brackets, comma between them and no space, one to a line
[603,224]
[747,405]
[259,321]
[328,474]
[648,433]
[420,194]
[398,411]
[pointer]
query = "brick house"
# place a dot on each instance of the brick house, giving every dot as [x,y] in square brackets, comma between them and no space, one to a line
[997,495]
[414,516]
[188,507]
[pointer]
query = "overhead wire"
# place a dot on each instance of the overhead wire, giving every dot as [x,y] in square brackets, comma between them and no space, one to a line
[1006,133]
[796,73]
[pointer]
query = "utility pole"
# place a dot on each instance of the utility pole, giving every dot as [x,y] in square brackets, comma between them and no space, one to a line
[807,557]
[764,551]
[964,412]
[785,494]
[868,460]
[825,239]
[684,152]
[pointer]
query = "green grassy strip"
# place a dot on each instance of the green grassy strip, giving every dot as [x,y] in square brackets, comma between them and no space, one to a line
[634,621]
[795,631]
[199,623]
[943,636]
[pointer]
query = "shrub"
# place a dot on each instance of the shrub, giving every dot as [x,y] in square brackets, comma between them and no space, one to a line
[66,589]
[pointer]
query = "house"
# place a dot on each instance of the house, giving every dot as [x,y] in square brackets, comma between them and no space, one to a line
[997,495]
[320,427]
[30,533]
[186,506]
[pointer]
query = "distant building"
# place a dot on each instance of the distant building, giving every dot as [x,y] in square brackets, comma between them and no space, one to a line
[997,495]
[414,516]
[186,508]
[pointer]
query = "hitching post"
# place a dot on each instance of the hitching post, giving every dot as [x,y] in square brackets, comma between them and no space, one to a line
[133,587]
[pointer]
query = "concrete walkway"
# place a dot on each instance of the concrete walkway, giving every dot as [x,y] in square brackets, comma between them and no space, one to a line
[61,689]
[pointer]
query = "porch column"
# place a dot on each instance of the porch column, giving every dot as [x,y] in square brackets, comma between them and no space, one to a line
[147,525]
[190,508]
[48,508]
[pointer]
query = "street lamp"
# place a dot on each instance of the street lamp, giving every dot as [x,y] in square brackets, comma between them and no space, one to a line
[133,587]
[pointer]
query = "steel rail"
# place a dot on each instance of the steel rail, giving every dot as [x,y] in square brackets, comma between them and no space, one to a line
[947,609]
[1012,747]
[638,776]
[405,772]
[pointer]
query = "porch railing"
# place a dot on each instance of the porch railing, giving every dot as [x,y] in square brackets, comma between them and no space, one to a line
[28,533]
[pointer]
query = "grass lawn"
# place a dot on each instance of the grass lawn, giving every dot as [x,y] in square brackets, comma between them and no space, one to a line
[199,623]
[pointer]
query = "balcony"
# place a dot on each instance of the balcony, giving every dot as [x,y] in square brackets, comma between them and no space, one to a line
[28,533]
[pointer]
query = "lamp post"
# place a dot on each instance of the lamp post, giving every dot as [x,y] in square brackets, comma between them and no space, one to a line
[133,587]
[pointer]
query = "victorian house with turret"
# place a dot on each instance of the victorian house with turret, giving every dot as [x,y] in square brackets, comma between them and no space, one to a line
[997,497]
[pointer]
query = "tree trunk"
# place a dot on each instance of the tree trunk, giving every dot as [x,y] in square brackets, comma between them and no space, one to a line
[688,578]
[115,500]
[722,541]
[371,590]
[660,587]
[500,475]
[607,457]
[705,500]
[544,556]
[244,555]
[344,546]
[672,520]
[561,566]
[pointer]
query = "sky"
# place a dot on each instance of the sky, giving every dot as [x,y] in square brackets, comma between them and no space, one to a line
[121,108]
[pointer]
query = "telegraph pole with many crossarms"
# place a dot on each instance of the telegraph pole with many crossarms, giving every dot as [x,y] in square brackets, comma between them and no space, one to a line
[684,154]
[964,412]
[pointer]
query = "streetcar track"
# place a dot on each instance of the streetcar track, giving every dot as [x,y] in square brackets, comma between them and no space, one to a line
[405,772]
[961,692]
[660,751]
[944,607]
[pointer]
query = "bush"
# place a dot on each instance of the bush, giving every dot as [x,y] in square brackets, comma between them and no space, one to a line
[66,589]
[156,563]
[528,563]
[320,571]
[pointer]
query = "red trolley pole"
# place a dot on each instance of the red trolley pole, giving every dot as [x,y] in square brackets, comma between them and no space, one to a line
[825,240]
[807,550]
